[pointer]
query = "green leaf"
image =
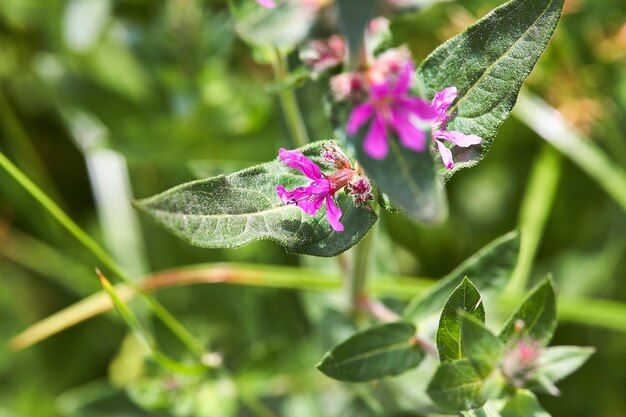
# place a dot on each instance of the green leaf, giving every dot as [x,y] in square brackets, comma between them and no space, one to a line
[523,404]
[464,300]
[230,211]
[409,179]
[560,361]
[284,26]
[480,346]
[488,63]
[354,16]
[536,315]
[490,269]
[374,353]
[456,386]
[487,410]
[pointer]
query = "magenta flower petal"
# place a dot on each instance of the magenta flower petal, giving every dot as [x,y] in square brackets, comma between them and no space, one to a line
[458,138]
[410,135]
[446,155]
[268,4]
[309,198]
[375,142]
[333,214]
[297,160]
[443,99]
[360,114]
[421,108]
[404,79]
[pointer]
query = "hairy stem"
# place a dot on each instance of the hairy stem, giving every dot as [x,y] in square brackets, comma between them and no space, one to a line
[59,215]
[361,265]
[289,102]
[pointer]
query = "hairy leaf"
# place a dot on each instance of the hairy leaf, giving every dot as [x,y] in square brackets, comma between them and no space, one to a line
[489,269]
[536,315]
[523,404]
[488,63]
[464,300]
[456,386]
[480,346]
[232,210]
[487,410]
[374,353]
[408,179]
[560,361]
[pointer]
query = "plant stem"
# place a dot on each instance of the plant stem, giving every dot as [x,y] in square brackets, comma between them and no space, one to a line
[361,263]
[604,314]
[165,316]
[536,207]
[289,102]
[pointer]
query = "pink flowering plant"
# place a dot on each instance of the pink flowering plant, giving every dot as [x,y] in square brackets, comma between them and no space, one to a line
[401,129]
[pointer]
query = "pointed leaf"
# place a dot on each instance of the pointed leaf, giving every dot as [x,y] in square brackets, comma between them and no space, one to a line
[536,315]
[354,18]
[375,353]
[560,361]
[408,179]
[523,404]
[480,346]
[456,386]
[230,211]
[488,63]
[464,300]
[487,410]
[490,269]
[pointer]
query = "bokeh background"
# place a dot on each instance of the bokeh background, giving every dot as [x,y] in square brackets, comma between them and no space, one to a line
[102,101]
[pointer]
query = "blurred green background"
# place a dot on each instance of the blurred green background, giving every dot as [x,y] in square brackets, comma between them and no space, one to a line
[102,101]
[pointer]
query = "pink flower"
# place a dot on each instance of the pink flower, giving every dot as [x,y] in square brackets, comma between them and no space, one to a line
[268,4]
[391,107]
[323,187]
[320,55]
[442,101]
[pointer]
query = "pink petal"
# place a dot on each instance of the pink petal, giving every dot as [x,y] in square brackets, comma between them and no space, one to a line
[443,99]
[309,198]
[268,4]
[375,143]
[410,135]
[420,108]
[404,79]
[458,138]
[446,155]
[333,214]
[297,160]
[360,114]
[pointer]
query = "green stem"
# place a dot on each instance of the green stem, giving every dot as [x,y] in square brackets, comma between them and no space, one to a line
[165,316]
[605,314]
[536,207]
[289,103]
[361,263]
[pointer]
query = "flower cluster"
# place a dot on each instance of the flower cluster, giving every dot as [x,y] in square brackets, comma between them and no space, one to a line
[323,187]
[382,97]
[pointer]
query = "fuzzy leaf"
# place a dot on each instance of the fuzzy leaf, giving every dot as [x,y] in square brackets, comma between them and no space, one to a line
[480,346]
[464,300]
[489,269]
[354,17]
[232,210]
[537,314]
[374,353]
[560,361]
[523,404]
[283,26]
[456,386]
[408,179]
[488,63]
[487,410]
